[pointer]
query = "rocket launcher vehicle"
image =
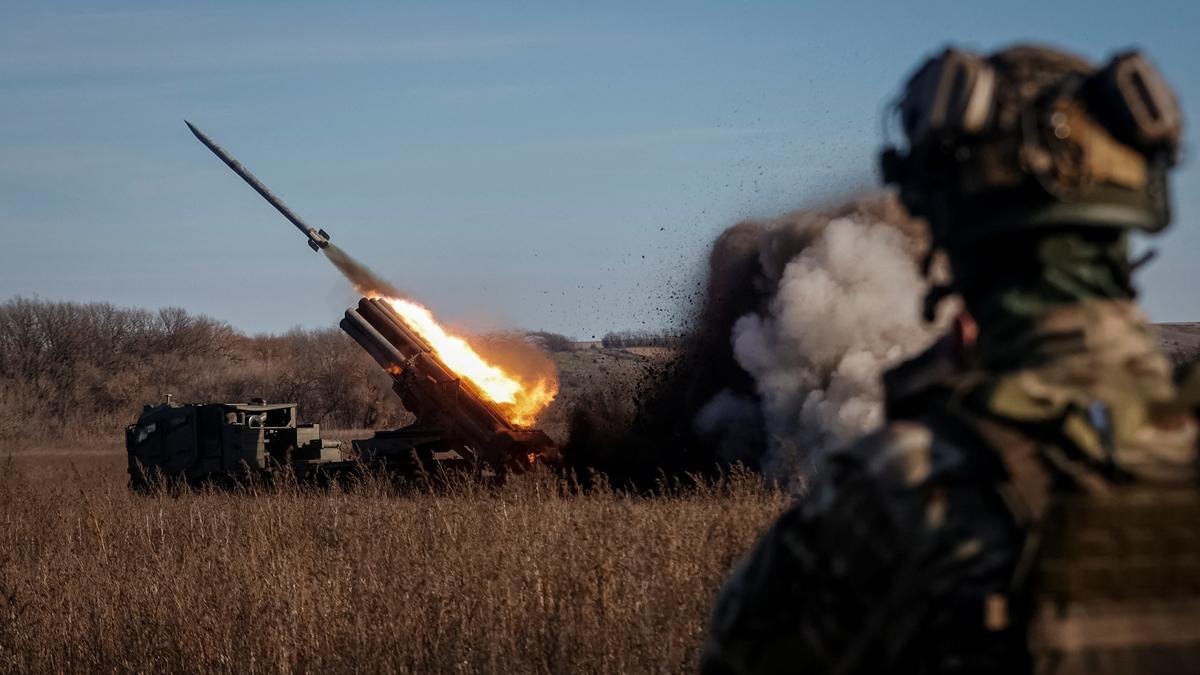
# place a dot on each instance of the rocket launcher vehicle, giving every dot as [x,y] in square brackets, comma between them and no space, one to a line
[444,403]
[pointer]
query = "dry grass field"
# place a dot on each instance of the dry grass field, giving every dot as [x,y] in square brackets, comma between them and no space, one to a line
[526,578]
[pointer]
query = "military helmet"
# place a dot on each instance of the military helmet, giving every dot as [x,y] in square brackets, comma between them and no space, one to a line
[1033,137]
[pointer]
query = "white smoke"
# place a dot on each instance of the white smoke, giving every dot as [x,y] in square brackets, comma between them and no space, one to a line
[843,304]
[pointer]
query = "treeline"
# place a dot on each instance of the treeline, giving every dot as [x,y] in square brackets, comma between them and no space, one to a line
[552,342]
[77,370]
[639,338]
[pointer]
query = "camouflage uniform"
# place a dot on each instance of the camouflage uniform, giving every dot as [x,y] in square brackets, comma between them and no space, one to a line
[1029,506]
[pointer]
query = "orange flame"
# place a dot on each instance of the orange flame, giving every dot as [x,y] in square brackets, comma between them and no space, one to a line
[521,400]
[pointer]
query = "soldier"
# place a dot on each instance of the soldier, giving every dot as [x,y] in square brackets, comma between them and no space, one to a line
[1030,505]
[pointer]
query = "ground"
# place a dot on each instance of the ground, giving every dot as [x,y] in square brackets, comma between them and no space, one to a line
[1181,341]
[524,578]
[598,377]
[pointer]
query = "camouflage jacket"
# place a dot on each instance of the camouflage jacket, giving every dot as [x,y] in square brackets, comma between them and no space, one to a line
[909,551]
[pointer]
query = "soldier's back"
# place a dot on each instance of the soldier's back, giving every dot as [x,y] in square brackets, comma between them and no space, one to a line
[898,559]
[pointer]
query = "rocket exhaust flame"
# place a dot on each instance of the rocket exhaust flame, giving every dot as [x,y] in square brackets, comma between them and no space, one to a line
[520,397]
[521,400]
[447,404]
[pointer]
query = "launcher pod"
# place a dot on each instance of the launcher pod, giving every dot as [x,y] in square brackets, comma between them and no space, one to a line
[448,408]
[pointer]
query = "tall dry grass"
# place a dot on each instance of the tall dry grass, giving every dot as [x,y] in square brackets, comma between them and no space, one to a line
[527,577]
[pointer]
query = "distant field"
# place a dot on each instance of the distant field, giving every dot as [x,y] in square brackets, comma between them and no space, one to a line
[521,579]
[1181,341]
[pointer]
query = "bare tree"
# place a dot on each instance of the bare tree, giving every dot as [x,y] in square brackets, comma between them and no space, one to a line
[71,369]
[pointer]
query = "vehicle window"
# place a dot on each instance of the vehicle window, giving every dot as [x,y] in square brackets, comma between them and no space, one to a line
[144,432]
[278,418]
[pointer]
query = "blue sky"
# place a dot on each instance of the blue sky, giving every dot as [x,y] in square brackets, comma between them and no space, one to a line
[534,165]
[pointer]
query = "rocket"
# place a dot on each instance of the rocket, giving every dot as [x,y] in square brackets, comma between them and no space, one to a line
[317,239]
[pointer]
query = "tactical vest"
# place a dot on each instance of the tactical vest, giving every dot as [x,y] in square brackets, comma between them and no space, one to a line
[1117,584]
[1111,579]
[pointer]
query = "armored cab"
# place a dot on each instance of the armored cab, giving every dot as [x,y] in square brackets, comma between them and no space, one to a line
[214,441]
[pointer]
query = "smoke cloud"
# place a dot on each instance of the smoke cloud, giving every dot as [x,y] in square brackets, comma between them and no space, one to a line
[813,307]
[800,317]
[844,308]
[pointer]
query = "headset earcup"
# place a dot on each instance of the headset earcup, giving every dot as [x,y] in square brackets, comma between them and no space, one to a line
[1137,103]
